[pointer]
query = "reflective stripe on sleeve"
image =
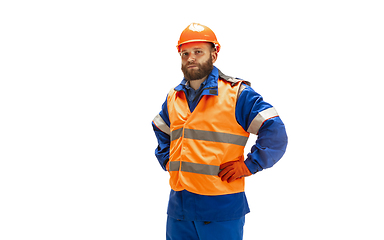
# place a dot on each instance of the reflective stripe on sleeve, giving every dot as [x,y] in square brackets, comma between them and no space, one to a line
[159,122]
[194,168]
[258,121]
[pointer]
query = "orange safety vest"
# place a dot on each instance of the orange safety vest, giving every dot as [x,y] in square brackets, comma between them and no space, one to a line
[203,140]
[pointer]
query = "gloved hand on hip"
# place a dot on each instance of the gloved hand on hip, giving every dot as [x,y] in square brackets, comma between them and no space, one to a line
[230,171]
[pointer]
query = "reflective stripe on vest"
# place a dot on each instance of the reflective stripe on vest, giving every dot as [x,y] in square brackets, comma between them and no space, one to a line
[194,168]
[209,136]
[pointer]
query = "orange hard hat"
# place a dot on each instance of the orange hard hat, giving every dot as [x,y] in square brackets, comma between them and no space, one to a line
[196,32]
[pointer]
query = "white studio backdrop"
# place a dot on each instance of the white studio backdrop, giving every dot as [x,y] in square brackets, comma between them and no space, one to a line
[80,82]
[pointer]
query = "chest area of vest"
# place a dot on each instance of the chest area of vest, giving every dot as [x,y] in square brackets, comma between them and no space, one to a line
[213,113]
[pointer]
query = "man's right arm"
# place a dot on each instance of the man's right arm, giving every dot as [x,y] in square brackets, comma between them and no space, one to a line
[161,128]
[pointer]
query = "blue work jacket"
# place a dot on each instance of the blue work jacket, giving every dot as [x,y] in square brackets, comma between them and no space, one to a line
[269,148]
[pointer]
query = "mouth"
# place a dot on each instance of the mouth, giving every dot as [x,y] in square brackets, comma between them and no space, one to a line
[192,66]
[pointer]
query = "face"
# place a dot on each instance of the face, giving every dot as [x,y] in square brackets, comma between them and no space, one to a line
[197,60]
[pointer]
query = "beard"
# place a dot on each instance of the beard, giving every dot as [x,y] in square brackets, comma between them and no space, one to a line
[202,70]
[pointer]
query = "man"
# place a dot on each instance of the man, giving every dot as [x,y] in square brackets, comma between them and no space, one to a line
[201,130]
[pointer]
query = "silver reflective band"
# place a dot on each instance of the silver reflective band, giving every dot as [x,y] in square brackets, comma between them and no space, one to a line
[258,121]
[175,134]
[215,137]
[194,168]
[158,120]
[209,136]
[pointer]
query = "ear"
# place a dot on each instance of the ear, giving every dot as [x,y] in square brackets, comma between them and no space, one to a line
[214,56]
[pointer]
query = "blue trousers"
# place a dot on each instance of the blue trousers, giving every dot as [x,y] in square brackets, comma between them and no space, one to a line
[196,230]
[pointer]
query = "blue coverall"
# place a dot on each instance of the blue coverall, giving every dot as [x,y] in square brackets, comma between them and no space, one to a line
[193,210]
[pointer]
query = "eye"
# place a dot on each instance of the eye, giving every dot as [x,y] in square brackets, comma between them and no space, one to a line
[198,52]
[184,54]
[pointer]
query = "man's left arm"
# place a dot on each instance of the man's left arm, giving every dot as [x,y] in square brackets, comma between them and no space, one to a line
[259,117]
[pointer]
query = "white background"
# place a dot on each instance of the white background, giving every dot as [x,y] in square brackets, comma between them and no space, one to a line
[80,82]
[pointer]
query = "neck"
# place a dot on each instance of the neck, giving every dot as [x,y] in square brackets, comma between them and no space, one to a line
[195,84]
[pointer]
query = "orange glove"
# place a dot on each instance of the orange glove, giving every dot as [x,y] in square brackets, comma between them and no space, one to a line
[233,170]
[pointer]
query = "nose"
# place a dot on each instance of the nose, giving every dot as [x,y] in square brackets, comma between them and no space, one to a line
[191,58]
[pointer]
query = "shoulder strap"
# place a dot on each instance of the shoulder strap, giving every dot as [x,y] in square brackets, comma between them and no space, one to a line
[232,80]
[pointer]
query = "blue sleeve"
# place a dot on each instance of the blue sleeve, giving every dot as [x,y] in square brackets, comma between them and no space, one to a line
[163,139]
[272,138]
